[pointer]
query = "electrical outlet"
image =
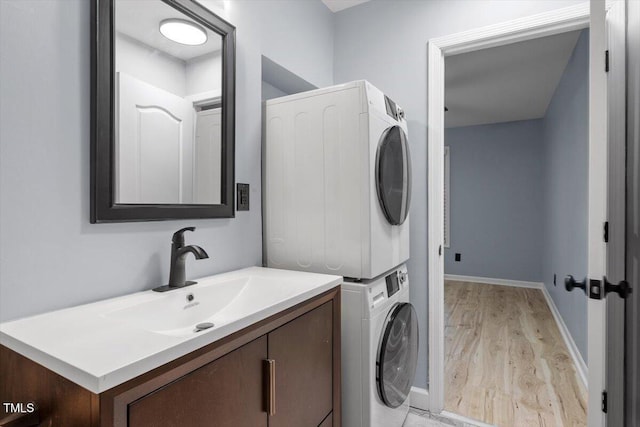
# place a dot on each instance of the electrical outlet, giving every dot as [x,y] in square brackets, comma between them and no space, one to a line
[458,257]
[242,197]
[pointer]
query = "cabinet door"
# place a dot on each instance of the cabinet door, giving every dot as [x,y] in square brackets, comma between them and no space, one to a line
[328,422]
[303,354]
[227,392]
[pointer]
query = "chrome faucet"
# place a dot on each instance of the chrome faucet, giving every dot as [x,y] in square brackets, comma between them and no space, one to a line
[179,252]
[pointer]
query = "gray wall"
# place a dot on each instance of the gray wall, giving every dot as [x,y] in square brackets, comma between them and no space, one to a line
[149,65]
[566,140]
[496,200]
[50,256]
[279,81]
[396,62]
[269,91]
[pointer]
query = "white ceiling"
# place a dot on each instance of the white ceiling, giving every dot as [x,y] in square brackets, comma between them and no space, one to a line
[338,5]
[505,83]
[140,20]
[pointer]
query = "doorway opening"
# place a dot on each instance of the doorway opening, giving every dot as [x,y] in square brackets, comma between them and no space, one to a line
[516,143]
[605,166]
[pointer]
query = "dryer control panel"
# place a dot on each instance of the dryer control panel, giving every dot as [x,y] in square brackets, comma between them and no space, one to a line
[395,281]
[378,292]
[393,109]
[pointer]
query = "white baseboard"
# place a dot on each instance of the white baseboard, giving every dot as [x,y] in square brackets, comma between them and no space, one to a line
[491,281]
[581,366]
[419,398]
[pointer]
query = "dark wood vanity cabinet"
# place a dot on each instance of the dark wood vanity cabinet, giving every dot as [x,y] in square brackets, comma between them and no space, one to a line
[281,372]
[303,354]
[234,390]
[226,392]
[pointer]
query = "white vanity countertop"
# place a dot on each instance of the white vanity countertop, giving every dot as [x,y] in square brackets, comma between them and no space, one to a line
[97,349]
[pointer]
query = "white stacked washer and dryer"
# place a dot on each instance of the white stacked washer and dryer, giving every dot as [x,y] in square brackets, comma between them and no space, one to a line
[337,186]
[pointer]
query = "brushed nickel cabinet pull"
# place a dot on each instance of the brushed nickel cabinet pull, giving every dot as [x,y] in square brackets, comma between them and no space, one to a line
[269,366]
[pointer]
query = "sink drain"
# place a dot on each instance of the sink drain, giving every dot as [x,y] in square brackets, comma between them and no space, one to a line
[203,326]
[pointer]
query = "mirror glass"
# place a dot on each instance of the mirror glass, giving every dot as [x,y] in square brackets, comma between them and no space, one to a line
[167,107]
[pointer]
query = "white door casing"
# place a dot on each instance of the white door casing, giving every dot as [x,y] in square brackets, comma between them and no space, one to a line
[208,157]
[435,212]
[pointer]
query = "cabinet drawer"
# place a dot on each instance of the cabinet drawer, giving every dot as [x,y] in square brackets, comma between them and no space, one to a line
[224,393]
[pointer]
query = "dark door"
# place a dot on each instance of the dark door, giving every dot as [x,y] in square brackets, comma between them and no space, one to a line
[303,352]
[227,392]
[393,175]
[397,355]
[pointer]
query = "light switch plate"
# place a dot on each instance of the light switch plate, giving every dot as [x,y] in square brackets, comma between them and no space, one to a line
[242,197]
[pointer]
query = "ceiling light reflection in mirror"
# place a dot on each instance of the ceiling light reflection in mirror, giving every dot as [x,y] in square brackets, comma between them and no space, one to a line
[183,32]
[168,81]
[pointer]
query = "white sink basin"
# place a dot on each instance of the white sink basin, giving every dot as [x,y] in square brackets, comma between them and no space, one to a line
[109,342]
[177,312]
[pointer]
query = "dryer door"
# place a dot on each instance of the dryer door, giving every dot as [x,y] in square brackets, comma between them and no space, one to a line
[393,175]
[397,355]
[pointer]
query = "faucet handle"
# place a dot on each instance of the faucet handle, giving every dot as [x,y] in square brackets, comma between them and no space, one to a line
[178,236]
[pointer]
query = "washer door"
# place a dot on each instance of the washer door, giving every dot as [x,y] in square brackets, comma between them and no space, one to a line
[393,175]
[397,355]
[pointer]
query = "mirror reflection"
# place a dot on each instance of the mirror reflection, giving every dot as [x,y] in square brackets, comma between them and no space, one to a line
[168,115]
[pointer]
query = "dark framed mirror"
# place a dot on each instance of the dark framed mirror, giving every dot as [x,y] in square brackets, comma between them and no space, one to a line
[163,111]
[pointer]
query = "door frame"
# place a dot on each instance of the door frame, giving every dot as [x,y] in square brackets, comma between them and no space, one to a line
[632,309]
[517,30]
[616,87]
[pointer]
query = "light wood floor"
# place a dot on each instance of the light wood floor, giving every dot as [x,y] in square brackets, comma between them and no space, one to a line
[505,360]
